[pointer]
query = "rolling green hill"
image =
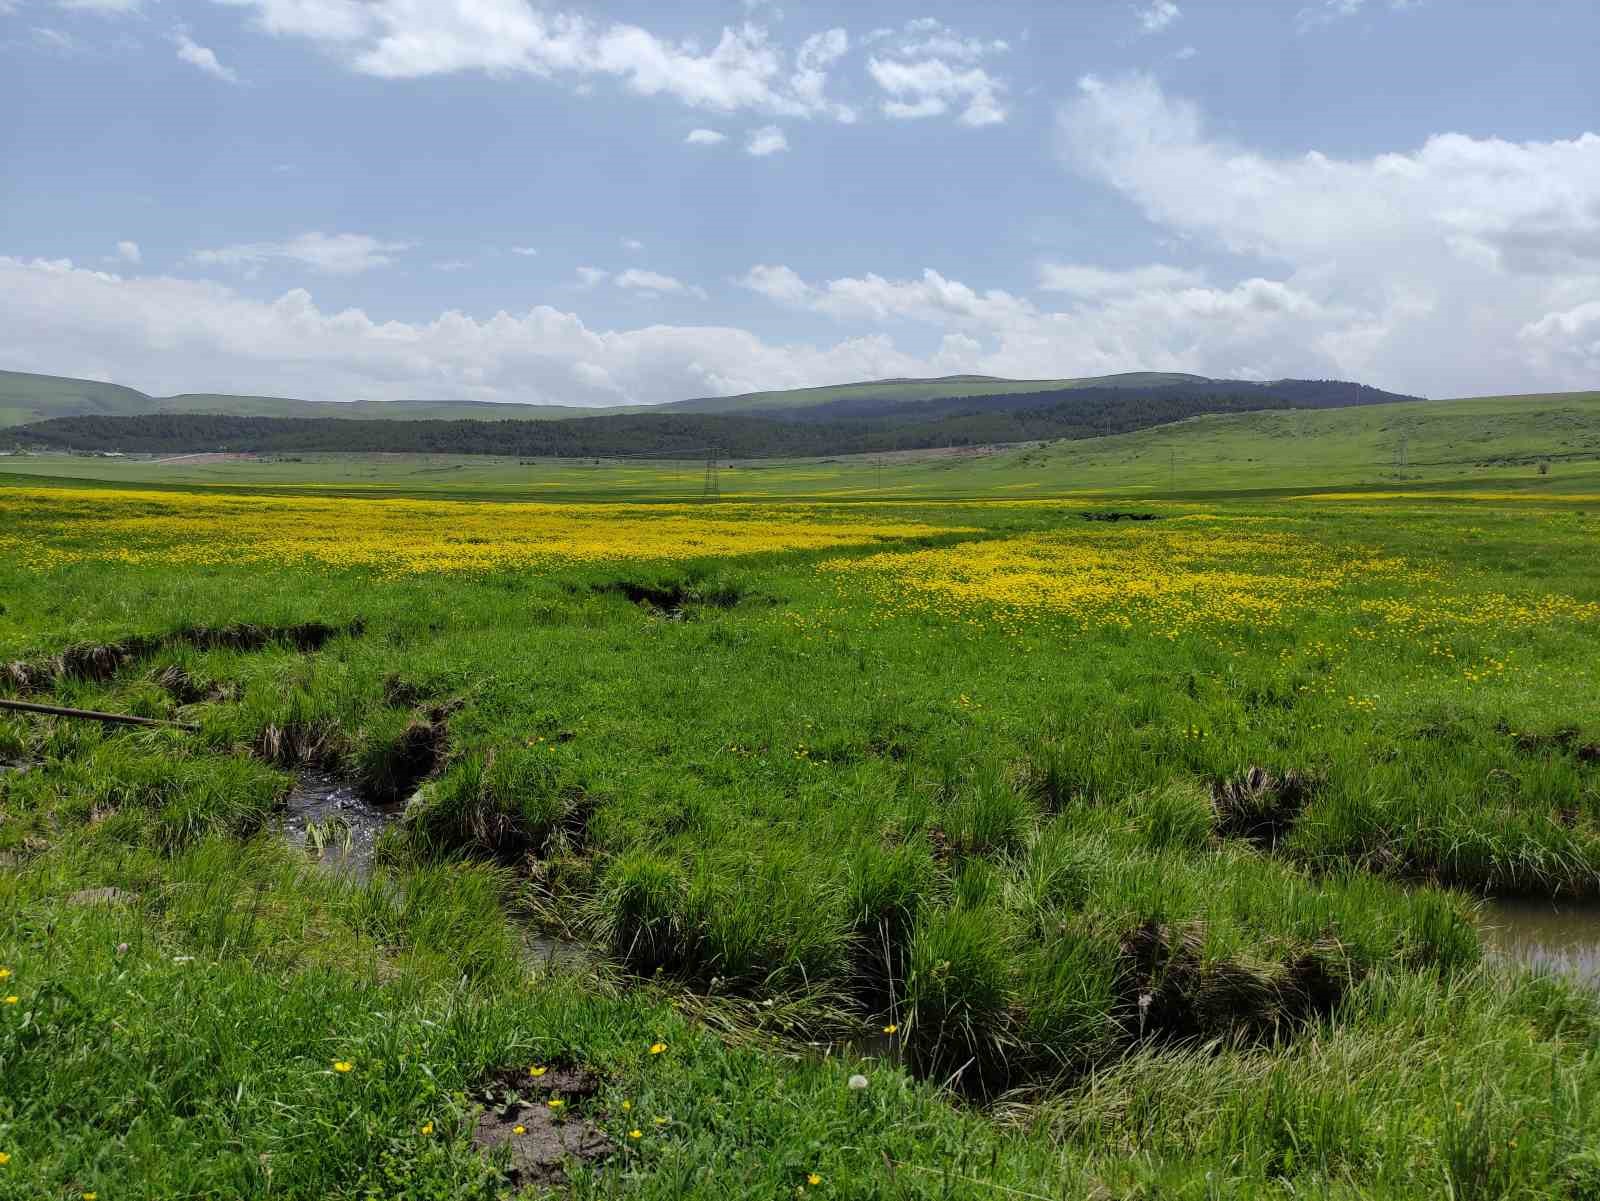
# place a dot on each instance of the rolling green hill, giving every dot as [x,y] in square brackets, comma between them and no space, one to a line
[912,390]
[26,398]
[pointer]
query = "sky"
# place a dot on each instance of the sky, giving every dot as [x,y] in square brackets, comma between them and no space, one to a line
[599,203]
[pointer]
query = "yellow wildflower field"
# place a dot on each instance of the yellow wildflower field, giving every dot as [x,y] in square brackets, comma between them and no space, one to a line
[47,526]
[1169,579]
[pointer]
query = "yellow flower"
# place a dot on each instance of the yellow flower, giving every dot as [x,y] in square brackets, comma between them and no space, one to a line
[343,1065]
[662,1121]
[536,1071]
[5,973]
[519,1129]
[13,999]
[555,1103]
[90,1196]
[657,1048]
[636,1134]
[813,1179]
[627,1105]
[427,1128]
[5,1158]
[890,1028]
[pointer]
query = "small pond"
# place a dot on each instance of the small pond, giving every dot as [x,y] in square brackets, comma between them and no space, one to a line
[1554,936]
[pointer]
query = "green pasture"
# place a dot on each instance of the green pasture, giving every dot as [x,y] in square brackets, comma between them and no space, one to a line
[1096,908]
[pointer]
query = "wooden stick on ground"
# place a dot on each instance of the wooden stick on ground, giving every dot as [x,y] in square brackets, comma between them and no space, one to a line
[121,719]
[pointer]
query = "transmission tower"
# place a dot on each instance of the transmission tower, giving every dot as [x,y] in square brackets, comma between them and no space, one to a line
[713,486]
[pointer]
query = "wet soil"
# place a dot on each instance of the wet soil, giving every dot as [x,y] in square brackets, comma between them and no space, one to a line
[539,1142]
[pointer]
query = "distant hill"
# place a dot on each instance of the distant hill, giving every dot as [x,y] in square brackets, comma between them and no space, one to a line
[901,391]
[26,398]
[852,425]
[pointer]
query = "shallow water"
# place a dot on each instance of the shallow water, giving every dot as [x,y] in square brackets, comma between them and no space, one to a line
[1553,936]
[349,825]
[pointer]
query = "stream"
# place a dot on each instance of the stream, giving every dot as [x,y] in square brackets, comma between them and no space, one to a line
[1562,937]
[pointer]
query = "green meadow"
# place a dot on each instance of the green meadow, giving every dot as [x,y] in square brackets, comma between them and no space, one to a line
[1096,819]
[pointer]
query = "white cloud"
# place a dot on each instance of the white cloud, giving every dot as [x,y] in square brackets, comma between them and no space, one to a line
[108,8]
[1326,12]
[402,39]
[590,276]
[638,280]
[452,265]
[769,139]
[1453,268]
[1078,280]
[527,251]
[127,252]
[1157,15]
[932,298]
[168,335]
[705,137]
[55,39]
[203,58]
[330,254]
[930,87]
[632,244]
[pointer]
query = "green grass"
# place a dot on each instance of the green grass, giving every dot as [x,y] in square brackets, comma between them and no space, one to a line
[781,811]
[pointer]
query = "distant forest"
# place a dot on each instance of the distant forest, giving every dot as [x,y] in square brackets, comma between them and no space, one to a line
[842,427]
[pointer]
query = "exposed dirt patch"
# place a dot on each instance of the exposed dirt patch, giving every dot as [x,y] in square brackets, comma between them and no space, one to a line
[1260,806]
[538,1123]
[675,598]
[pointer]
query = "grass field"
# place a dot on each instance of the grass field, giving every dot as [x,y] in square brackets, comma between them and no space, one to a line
[1118,858]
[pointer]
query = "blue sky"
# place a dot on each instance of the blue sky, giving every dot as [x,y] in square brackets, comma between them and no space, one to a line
[599,202]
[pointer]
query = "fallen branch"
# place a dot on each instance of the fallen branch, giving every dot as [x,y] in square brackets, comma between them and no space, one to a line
[121,719]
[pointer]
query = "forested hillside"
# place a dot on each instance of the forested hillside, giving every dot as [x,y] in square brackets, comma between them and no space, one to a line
[843,427]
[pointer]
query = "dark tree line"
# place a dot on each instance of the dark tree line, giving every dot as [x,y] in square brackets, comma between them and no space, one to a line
[844,427]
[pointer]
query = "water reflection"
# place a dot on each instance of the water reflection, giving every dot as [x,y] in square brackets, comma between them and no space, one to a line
[1562,937]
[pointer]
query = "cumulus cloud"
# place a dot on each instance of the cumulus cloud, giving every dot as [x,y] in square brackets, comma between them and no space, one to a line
[931,87]
[769,139]
[203,58]
[1439,269]
[59,317]
[705,137]
[1157,15]
[128,252]
[403,39]
[653,282]
[1155,318]
[1079,280]
[330,254]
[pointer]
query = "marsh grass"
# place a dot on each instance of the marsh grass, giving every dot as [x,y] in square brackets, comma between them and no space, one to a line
[797,818]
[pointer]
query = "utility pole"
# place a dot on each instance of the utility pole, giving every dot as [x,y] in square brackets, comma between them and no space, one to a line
[713,485]
[1172,470]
